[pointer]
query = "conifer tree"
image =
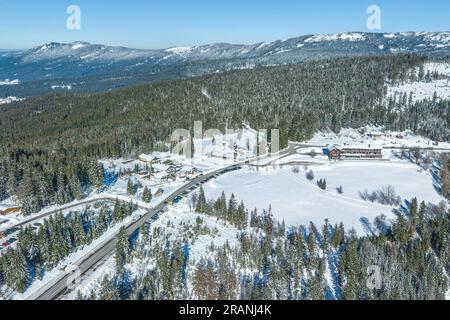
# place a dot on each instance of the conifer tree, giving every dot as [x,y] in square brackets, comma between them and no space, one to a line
[122,250]
[147,195]
[201,202]
[131,191]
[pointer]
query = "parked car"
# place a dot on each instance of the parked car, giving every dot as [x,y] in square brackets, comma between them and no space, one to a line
[177,199]
[5,244]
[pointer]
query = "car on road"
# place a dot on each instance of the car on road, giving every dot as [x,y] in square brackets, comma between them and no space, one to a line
[177,199]
[5,244]
[12,240]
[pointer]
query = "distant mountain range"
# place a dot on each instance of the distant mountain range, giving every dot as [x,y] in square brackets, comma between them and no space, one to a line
[85,67]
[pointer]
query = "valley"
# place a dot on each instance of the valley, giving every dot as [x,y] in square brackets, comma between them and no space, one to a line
[109,190]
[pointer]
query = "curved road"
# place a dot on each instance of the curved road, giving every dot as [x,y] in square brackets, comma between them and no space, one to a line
[58,286]
[55,288]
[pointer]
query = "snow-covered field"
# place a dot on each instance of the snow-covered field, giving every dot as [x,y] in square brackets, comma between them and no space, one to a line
[361,137]
[8,82]
[297,200]
[352,37]
[62,86]
[422,90]
[9,100]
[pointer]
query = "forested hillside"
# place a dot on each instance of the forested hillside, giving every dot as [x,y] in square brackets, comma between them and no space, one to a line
[83,67]
[50,144]
[268,260]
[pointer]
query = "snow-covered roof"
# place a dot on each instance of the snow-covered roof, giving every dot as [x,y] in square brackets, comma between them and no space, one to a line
[159,167]
[146,158]
[360,147]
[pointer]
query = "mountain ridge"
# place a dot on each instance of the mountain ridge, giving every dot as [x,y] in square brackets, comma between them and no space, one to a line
[86,67]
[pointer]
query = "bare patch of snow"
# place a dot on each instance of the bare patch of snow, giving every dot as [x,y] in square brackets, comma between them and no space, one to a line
[206,94]
[424,89]
[353,37]
[8,82]
[443,37]
[9,100]
[62,86]
[179,50]
[77,46]
[390,35]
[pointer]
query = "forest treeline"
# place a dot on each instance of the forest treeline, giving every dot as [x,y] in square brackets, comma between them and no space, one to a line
[40,251]
[50,144]
[269,260]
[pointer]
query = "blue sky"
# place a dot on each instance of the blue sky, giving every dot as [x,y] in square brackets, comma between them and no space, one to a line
[166,23]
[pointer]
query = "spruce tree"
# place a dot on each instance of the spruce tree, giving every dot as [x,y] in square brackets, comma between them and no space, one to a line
[122,250]
[147,195]
[201,202]
[131,191]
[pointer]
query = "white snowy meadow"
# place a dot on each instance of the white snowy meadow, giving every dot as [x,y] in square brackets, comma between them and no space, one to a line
[425,89]
[298,201]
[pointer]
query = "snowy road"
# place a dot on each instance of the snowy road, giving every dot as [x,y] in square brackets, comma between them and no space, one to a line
[60,284]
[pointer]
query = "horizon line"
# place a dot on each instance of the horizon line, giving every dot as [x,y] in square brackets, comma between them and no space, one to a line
[3,49]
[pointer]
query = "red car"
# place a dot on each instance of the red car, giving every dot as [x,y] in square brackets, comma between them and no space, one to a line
[5,244]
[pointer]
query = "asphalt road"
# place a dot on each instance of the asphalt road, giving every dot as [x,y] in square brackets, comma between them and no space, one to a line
[57,287]
[48,213]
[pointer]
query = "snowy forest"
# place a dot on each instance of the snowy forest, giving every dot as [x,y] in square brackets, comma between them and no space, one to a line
[271,261]
[51,144]
[40,251]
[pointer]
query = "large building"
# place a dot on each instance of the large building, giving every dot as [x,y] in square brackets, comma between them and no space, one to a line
[354,153]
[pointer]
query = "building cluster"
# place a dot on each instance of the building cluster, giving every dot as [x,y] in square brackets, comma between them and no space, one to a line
[163,171]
